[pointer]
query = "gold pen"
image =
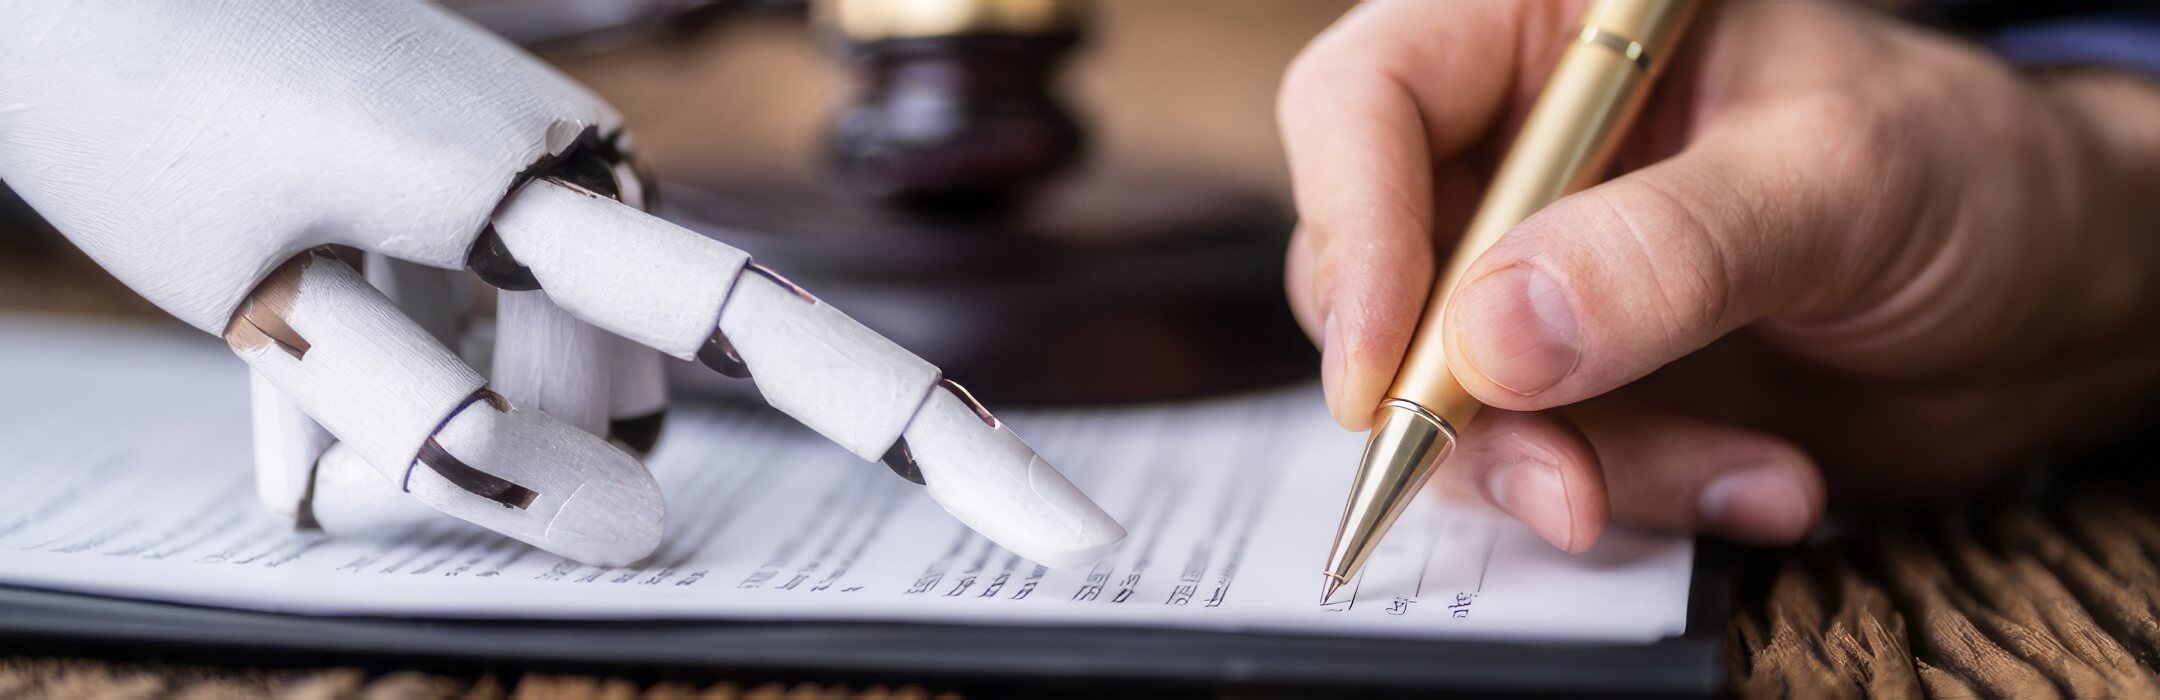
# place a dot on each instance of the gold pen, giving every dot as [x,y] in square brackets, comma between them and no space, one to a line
[1566,142]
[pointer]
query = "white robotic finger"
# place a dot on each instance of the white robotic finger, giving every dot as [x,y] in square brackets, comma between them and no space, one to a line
[680,292]
[620,268]
[342,352]
[425,422]
[287,445]
[291,448]
[985,476]
[441,301]
[606,511]
[637,396]
[548,360]
[350,499]
[815,364]
[664,286]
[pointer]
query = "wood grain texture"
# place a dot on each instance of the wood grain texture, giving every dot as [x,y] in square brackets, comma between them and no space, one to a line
[2037,597]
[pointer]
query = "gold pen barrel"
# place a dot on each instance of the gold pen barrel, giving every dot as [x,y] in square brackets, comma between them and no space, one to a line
[1564,145]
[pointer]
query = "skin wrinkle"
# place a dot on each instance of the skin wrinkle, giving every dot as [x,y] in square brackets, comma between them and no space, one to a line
[1997,327]
[1856,341]
[1575,524]
[1630,441]
[1679,317]
[1388,208]
[1376,321]
[1300,296]
[1300,282]
[1437,141]
[1868,215]
[1542,457]
[1892,308]
[2112,288]
[1448,60]
[1372,358]
[1391,198]
[1853,150]
[1837,331]
[1370,350]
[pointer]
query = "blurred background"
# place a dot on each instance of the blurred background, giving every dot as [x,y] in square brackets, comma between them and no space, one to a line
[1058,201]
[1184,87]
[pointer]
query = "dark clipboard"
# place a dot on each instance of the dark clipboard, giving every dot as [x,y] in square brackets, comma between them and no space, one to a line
[1692,664]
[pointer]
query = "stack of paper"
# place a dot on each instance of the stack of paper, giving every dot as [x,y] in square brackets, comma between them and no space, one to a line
[128,474]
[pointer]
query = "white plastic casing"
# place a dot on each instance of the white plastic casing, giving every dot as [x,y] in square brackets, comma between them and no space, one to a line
[350,499]
[370,376]
[548,360]
[595,503]
[817,365]
[636,275]
[988,478]
[191,148]
[287,444]
[652,281]
[668,287]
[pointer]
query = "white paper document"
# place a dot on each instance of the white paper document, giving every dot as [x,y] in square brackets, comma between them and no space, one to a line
[124,470]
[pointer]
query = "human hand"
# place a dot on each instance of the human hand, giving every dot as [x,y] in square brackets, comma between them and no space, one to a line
[206,157]
[1841,244]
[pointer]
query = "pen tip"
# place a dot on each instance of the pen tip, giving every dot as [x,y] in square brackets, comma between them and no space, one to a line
[1328,586]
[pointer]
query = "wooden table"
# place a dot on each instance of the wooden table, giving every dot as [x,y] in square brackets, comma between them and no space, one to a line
[2037,594]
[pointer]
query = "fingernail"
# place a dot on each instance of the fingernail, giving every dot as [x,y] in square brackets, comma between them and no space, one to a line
[1758,504]
[1518,329]
[1532,492]
[1333,363]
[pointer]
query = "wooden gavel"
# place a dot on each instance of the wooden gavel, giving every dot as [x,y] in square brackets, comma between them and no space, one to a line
[954,105]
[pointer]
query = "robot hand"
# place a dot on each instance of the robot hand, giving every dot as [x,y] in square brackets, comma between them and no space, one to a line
[207,155]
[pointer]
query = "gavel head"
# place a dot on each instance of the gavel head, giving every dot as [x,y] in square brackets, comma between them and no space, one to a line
[953,106]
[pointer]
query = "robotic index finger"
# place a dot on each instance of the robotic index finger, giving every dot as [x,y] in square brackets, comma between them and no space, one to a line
[695,298]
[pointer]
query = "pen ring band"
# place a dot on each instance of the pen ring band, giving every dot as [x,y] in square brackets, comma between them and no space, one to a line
[1445,427]
[1631,49]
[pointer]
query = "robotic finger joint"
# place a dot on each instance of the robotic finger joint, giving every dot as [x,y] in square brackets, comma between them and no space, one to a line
[260,319]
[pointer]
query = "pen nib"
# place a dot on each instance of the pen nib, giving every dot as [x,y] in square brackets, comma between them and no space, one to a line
[1328,588]
[1406,444]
